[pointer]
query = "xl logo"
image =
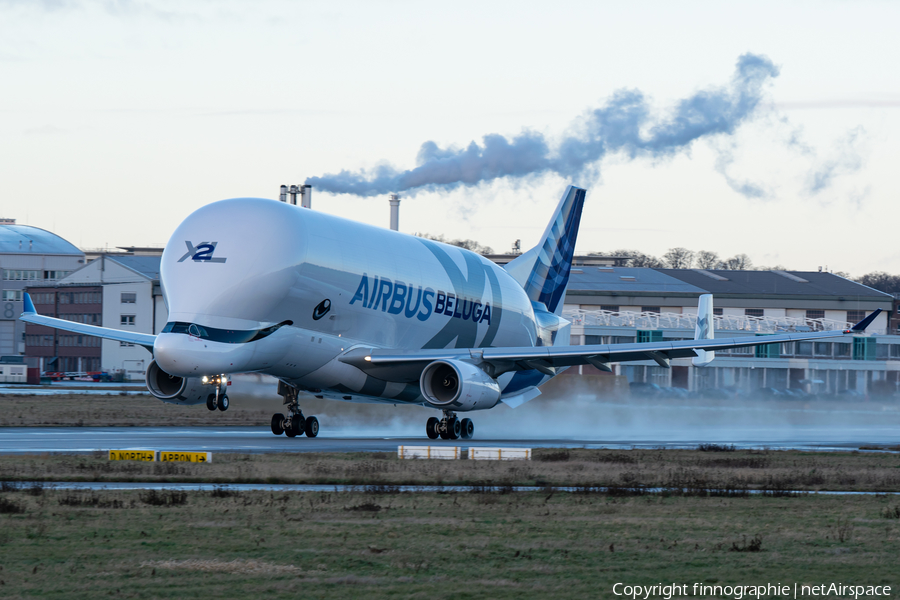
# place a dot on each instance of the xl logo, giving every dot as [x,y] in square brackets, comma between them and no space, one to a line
[203,252]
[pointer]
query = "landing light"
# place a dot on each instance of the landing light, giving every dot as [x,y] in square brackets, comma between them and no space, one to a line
[205,379]
[368,359]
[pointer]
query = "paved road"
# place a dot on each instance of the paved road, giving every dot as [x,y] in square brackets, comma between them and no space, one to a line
[259,439]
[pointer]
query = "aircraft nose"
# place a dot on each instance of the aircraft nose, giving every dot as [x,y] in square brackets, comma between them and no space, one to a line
[188,356]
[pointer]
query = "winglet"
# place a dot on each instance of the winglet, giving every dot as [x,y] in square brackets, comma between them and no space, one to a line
[704,330]
[29,305]
[861,326]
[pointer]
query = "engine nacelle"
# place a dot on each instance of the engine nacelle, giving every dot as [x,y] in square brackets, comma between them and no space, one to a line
[458,385]
[176,390]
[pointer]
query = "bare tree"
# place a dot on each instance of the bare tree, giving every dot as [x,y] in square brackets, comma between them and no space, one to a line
[679,258]
[708,260]
[633,258]
[881,281]
[738,262]
[467,244]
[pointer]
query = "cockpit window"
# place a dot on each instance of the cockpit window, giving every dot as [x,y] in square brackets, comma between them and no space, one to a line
[224,336]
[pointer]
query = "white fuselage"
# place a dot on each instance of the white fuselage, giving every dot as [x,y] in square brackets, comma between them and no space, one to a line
[234,268]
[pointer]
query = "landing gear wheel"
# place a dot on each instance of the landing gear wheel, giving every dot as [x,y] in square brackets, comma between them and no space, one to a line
[211,402]
[453,428]
[278,424]
[443,433]
[467,429]
[298,425]
[223,403]
[312,427]
[432,428]
[289,429]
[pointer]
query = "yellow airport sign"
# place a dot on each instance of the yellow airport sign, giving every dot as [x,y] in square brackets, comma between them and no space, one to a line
[174,456]
[144,455]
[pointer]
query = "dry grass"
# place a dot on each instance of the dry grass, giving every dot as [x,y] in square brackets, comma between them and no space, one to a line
[724,473]
[456,545]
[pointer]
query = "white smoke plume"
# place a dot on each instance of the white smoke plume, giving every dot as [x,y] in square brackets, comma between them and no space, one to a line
[625,125]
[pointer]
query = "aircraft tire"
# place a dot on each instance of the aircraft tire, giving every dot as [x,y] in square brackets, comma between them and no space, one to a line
[291,430]
[211,402]
[278,423]
[223,403]
[312,427]
[453,428]
[431,428]
[466,429]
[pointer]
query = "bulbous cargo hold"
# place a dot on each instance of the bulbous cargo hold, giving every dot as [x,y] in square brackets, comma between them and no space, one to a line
[458,385]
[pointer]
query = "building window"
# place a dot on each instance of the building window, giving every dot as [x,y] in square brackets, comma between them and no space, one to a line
[129,297]
[43,298]
[610,307]
[804,349]
[823,348]
[650,309]
[56,274]
[753,312]
[855,316]
[127,320]
[20,275]
[841,350]
[717,312]
[815,314]
[12,295]
[125,345]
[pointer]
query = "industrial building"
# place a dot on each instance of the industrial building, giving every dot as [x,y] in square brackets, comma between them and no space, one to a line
[627,305]
[118,291]
[28,255]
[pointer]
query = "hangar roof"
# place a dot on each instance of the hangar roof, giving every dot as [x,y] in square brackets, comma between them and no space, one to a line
[780,283]
[148,266]
[627,279]
[24,239]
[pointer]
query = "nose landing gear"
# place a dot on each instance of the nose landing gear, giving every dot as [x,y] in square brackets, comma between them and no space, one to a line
[449,428]
[218,399]
[293,424]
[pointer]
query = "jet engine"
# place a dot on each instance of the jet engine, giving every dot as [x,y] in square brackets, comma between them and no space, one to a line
[458,385]
[176,390]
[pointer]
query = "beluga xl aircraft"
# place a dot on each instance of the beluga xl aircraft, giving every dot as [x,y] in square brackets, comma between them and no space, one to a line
[348,311]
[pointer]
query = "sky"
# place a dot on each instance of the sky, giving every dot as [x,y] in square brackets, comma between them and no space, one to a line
[765,128]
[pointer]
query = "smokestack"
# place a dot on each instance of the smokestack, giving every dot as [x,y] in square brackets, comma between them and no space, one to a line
[395,211]
[306,196]
[283,195]
[294,191]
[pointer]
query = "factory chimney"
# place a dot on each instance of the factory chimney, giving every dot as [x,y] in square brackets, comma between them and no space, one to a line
[306,196]
[283,195]
[294,190]
[395,211]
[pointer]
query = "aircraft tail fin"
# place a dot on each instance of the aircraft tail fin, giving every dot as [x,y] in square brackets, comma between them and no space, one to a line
[704,330]
[544,270]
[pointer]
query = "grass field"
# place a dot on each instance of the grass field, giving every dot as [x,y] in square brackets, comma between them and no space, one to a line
[698,470]
[57,544]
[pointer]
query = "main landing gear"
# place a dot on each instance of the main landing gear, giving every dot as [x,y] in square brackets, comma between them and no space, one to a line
[219,399]
[293,423]
[449,428]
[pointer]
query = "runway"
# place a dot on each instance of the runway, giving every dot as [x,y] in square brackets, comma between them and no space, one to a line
[119,486]
[19,440]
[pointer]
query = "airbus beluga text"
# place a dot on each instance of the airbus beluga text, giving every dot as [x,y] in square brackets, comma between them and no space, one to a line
[348,311]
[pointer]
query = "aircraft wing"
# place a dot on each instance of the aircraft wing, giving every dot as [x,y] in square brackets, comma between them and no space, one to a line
[30,316]
[407,366]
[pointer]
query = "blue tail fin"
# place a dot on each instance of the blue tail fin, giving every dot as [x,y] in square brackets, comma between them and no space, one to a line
[544,270]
